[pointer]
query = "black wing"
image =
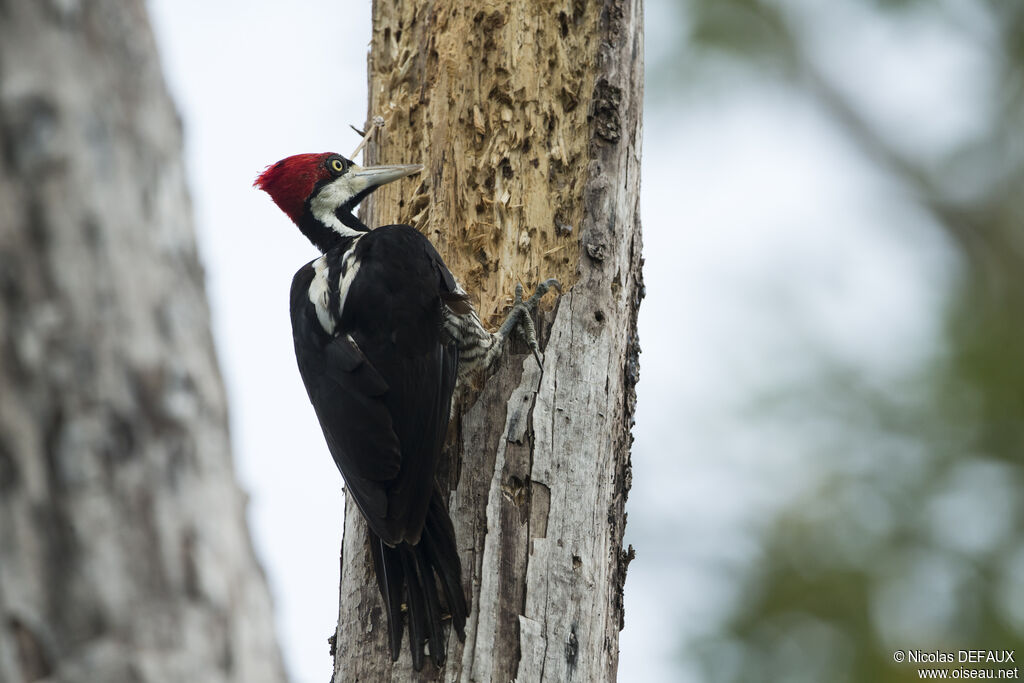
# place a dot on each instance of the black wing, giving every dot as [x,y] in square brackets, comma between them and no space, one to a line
[346,392]
[382,385]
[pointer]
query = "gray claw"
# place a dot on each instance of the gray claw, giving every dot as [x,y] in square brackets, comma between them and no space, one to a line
[542,289]
[528,332]
[526,328]
[520,318]
[551,283]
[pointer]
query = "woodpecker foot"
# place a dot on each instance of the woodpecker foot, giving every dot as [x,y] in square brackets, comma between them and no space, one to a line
[520,318]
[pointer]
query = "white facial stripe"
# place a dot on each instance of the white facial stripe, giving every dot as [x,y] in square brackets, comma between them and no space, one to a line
[333,195]
[318,295]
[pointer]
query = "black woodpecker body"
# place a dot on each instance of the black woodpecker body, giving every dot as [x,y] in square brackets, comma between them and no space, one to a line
[383,333]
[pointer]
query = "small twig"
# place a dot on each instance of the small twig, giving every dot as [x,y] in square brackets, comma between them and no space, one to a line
[378,122]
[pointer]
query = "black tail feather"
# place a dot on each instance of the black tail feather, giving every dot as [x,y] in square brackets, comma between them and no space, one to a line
[425,576]
[406,574]
[440,550]
[390,580]
[416,610]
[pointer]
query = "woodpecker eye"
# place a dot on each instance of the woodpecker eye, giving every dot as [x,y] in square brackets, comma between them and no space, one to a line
[337,166]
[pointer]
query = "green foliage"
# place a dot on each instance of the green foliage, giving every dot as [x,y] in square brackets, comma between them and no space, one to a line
[746,28]
[922,546]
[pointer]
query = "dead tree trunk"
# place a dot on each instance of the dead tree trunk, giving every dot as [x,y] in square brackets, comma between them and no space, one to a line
[124,552]
[527,118]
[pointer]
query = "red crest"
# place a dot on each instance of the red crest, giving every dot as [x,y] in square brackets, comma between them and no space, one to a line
[290,181]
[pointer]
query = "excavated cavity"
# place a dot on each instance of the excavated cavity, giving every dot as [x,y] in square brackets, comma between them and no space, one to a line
[505,191]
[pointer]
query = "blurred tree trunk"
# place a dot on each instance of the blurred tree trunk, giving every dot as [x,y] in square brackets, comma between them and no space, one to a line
[124,552]
[527,118]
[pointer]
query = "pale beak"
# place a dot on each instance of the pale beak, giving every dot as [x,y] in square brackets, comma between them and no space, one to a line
[363,178]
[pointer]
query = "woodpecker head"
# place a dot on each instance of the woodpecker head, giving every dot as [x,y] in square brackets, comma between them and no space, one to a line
[320,192]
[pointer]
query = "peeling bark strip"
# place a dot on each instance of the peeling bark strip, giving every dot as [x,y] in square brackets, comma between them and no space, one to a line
[527,118]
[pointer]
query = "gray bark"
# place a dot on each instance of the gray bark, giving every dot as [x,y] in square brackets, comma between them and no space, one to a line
[124,551]
[527,117]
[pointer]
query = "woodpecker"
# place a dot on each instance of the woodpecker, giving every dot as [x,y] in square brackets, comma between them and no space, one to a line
[383,333]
